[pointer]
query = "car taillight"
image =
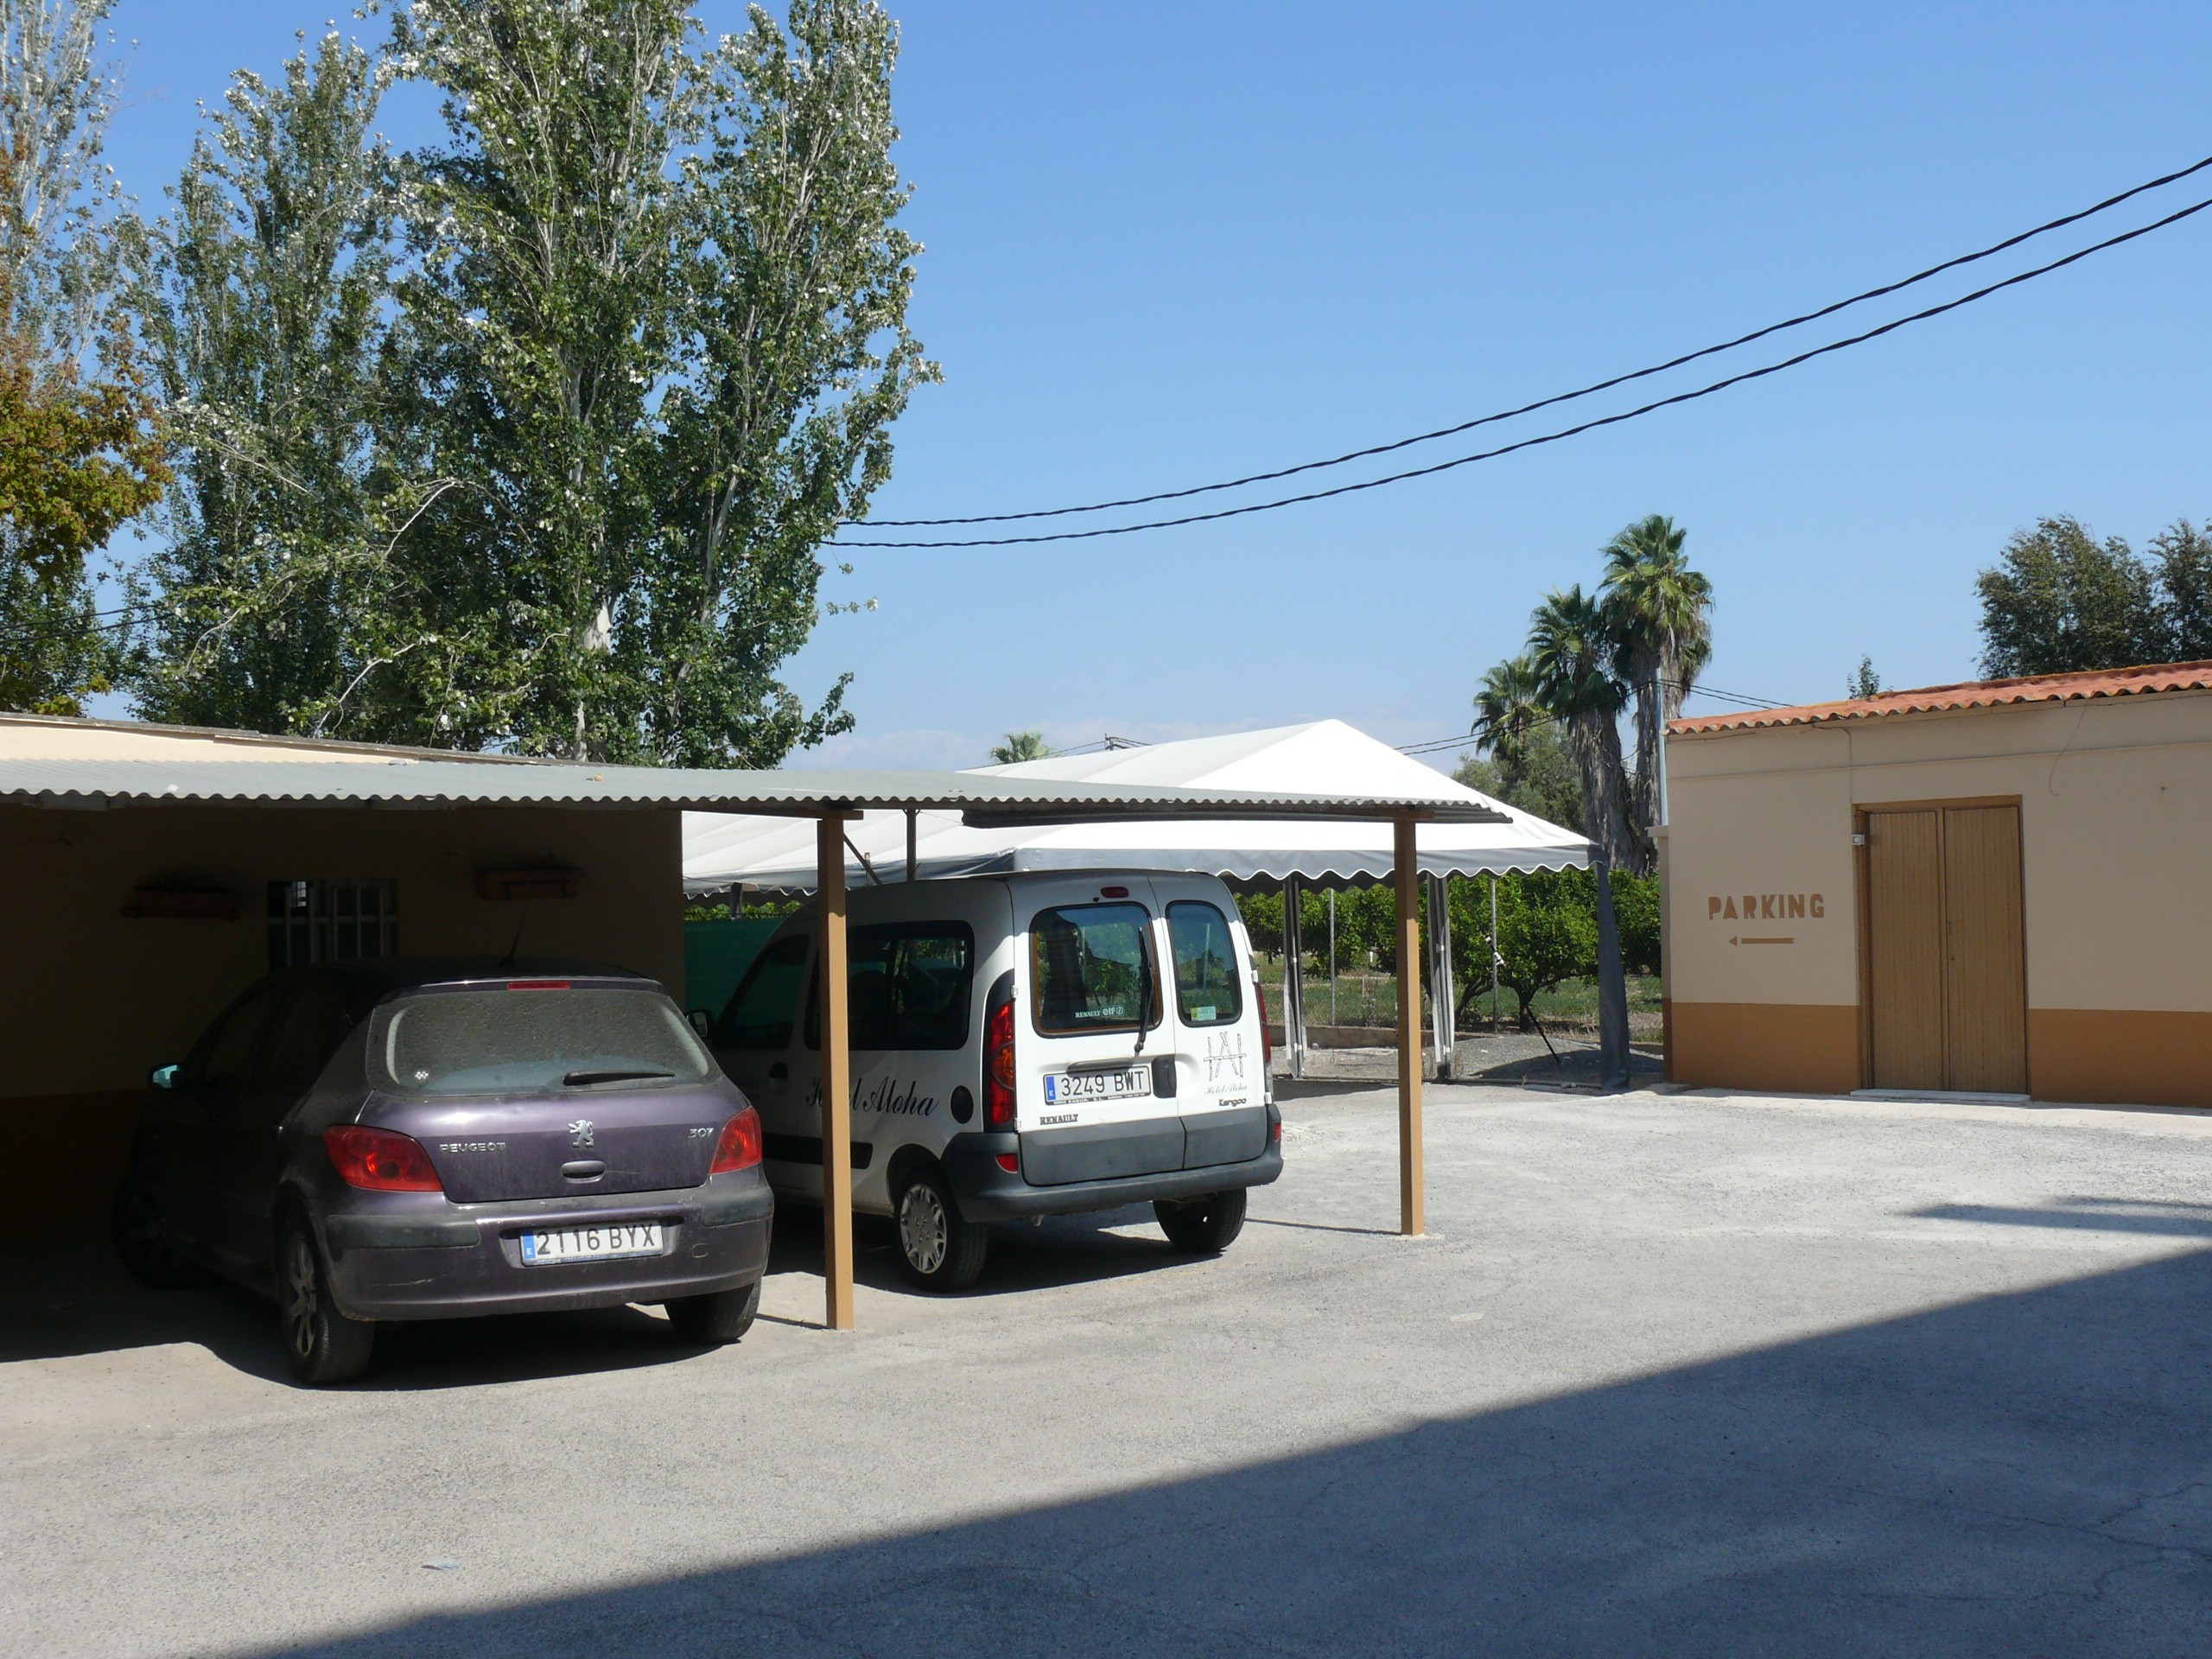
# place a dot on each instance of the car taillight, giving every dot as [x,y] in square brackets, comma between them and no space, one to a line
[1266,1043]
[740,1147]
[1010,1162]
[998,1068]
[380,1160]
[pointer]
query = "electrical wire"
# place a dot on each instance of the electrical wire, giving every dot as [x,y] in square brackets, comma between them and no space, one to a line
[1565,432]
[1829,310]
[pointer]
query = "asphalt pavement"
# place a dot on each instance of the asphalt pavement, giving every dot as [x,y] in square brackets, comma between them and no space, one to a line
[1670,1373]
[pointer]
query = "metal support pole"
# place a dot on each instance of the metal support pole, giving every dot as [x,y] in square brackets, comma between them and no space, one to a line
[1612,986]
[836,1079]
[911,839]
[1496,958]
[1442,1001]
[1294,978]
[1413,1219]
[1332,955]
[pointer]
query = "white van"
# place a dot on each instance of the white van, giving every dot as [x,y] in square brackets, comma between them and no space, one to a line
[1014,1054]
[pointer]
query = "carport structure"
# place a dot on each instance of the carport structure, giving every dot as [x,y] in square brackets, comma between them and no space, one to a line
[146,782]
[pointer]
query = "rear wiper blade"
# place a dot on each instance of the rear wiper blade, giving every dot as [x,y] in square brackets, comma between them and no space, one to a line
[578,1079]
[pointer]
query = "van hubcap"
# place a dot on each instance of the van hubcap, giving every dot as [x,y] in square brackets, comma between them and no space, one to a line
[922,1231]
[300,1297]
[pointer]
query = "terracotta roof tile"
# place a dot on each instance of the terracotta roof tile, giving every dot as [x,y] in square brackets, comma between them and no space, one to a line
[1969,694]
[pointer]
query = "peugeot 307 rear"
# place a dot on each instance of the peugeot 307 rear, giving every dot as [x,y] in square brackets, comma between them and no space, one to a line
[453,1142]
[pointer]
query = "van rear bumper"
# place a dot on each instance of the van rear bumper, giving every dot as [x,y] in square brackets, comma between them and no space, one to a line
[987,1193]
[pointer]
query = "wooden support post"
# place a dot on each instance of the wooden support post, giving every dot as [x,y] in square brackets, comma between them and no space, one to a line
[837,1078]
[1413,1208]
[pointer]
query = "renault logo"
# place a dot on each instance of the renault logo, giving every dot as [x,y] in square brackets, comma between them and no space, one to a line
[580,1132]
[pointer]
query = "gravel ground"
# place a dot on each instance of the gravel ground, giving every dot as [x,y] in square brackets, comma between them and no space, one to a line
[1669,1374]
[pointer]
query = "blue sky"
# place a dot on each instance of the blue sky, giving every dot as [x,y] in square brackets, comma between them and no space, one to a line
[1170,244]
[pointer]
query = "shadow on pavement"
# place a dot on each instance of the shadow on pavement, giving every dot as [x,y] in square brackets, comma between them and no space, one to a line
[2087,1215]
[2021,1474]
[1064,1250]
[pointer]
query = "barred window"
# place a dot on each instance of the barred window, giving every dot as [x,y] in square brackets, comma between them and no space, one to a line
[330,921]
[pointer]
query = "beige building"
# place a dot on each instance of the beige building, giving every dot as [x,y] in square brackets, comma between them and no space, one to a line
[1997,888]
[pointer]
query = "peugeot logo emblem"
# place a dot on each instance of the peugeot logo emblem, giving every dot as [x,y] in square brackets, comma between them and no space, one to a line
[580,1132]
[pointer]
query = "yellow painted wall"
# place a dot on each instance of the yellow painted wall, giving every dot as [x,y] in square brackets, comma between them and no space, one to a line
[2116,832]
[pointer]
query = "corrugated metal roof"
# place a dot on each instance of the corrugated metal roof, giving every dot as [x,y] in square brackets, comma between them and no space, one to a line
[1967,693]
[406,780]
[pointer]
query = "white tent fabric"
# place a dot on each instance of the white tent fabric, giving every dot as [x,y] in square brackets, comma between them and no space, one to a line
[722,850]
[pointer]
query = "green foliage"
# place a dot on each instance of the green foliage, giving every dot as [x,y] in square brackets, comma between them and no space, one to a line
[1546,933]
[1636,915]
[1022,745]
[2057,600]
[283,596]
[1537,776]
[1864,683]
[1263,914]
[79,454]
[637,354]
[2183,557]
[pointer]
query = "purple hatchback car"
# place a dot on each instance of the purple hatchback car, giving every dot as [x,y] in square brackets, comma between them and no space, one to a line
[427,1141]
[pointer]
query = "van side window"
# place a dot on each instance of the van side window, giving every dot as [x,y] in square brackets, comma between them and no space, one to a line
[1206,990]
[1089,963]
[760,1012]
[906,986]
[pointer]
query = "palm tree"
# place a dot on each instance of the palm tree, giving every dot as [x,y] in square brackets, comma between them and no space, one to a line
[1022,745]
[1571,651]
[1658,613]
[1509,709]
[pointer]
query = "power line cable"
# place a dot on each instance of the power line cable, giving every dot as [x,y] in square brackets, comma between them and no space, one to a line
[1558,398]
[1565,432]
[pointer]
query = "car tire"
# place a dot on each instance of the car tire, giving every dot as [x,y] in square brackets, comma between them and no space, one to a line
[151,1252]
[324,1345]
[1205,1225]
[719,1317]
[940,1248]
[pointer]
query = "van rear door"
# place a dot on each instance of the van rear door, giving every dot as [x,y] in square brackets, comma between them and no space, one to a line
[1092,1012]
[1222,1096]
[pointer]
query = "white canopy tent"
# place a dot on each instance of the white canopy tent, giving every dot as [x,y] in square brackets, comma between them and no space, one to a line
[722,852]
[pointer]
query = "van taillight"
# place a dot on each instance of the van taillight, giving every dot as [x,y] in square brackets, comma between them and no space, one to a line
[1266,1043]
[998,1067]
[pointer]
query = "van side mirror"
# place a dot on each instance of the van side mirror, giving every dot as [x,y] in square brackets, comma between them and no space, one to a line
[703,1021]
[163,1077]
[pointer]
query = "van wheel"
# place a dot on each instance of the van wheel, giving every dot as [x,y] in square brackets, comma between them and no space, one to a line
[324,1345]
[149,1248]
[1205,1225]
[940,1249]
[719,1317]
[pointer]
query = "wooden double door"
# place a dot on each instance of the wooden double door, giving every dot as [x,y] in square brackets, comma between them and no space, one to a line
[1945,967]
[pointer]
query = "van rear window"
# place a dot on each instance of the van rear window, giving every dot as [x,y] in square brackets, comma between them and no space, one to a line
[1206,989]
[1090,963]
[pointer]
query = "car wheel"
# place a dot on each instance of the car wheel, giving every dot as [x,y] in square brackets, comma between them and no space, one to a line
[1205,1225]
[323,1344]
[151,1252]
[940,1249]
[710,1320]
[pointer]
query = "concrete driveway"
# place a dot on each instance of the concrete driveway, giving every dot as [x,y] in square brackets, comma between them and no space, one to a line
[1673,1375]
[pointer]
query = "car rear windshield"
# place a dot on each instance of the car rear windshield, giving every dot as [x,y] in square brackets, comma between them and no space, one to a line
[1206,989]
[501,1041]
[1091,962]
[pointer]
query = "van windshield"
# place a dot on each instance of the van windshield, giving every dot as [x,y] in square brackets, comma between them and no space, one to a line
[1090,963]
[498,1041]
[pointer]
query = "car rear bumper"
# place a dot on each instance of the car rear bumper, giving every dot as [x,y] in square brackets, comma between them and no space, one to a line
[464,1260]
[987,1191]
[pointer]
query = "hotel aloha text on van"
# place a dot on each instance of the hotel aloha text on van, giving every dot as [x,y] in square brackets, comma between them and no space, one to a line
[1018,1052]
